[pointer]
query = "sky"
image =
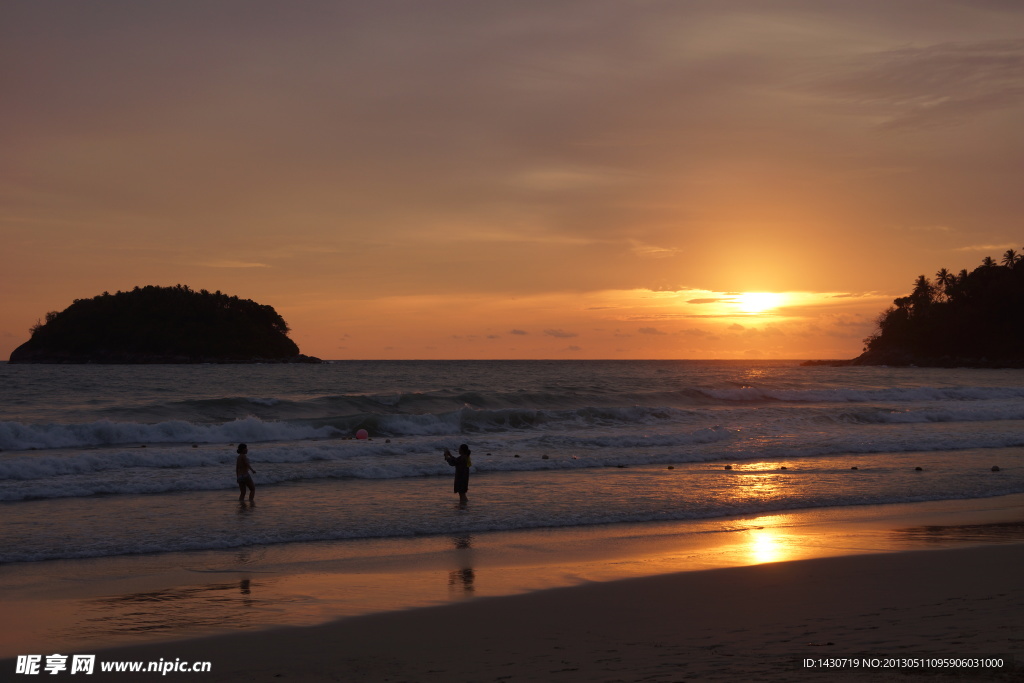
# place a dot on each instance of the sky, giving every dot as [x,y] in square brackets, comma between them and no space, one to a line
[530,179]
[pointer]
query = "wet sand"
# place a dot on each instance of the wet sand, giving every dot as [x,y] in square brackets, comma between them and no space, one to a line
[758,623]
[715,602]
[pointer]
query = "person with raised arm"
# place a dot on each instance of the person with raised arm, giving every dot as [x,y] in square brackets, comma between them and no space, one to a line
[461,463]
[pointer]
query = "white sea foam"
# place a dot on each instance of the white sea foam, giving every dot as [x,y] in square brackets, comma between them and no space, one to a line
[308,512]
[850,395]
[594,442]
[264,401]
[18,436]
[986,412]
[169,469]
[15,436]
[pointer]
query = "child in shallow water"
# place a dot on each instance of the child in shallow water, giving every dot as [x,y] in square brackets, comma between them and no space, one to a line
[242,470]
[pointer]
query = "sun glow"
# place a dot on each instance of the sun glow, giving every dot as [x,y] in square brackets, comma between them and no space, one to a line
[758,302]
[767,545]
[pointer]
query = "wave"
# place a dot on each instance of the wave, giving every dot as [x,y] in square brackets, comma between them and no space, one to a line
[948,413]
[353,458]
[16,436]
[426,525]
[268,418]
[171,469]
[988,405]
[847,395]
[413,403]
[443,402]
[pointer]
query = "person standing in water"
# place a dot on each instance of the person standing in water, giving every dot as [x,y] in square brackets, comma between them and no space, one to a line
[461,464]
[242,470]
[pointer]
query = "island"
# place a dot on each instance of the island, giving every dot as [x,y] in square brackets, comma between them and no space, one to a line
[963,319]
[161,325]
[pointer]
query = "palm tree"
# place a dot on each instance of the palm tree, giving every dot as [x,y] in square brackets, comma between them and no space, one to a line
[943,281]
[955,286]
[988,262]
[923,293]
[1010,258]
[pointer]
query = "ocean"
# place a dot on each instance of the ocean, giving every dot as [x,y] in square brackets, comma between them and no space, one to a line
[111,461]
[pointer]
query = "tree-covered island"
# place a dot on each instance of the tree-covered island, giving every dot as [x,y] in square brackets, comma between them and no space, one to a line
[161,325]
[964,319]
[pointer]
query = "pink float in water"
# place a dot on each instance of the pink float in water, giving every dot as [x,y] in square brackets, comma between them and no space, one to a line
[362,434]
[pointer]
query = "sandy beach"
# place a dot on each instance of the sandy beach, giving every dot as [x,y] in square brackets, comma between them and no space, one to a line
[861,593]
[757,623]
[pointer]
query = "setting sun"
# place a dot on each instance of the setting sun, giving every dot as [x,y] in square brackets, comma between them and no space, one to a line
[758,302]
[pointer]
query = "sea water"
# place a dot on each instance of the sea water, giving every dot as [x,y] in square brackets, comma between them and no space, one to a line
[105,461]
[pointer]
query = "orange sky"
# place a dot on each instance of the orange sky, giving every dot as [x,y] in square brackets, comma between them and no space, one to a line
[465,179]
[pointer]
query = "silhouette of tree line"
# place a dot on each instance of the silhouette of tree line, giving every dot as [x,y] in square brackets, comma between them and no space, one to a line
[974,317]
[160,324]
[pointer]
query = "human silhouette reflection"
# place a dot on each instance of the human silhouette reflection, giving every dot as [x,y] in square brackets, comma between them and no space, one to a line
[465,577]
[462,577]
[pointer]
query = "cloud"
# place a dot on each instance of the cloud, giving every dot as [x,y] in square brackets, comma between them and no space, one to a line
[653,251]
[560,334]
[555,179]
[650,330]
[573,348]
[751,332]
[654,316]
[989,247]
[939,85]
[848,321]
[931,228]
[697,332]
[233,264]
[360,153]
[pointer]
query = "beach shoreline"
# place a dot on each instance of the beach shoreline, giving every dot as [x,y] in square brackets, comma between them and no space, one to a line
[464,584]
[776,621]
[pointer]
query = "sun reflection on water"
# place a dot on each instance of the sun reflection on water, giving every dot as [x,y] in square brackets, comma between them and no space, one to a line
[766,546]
